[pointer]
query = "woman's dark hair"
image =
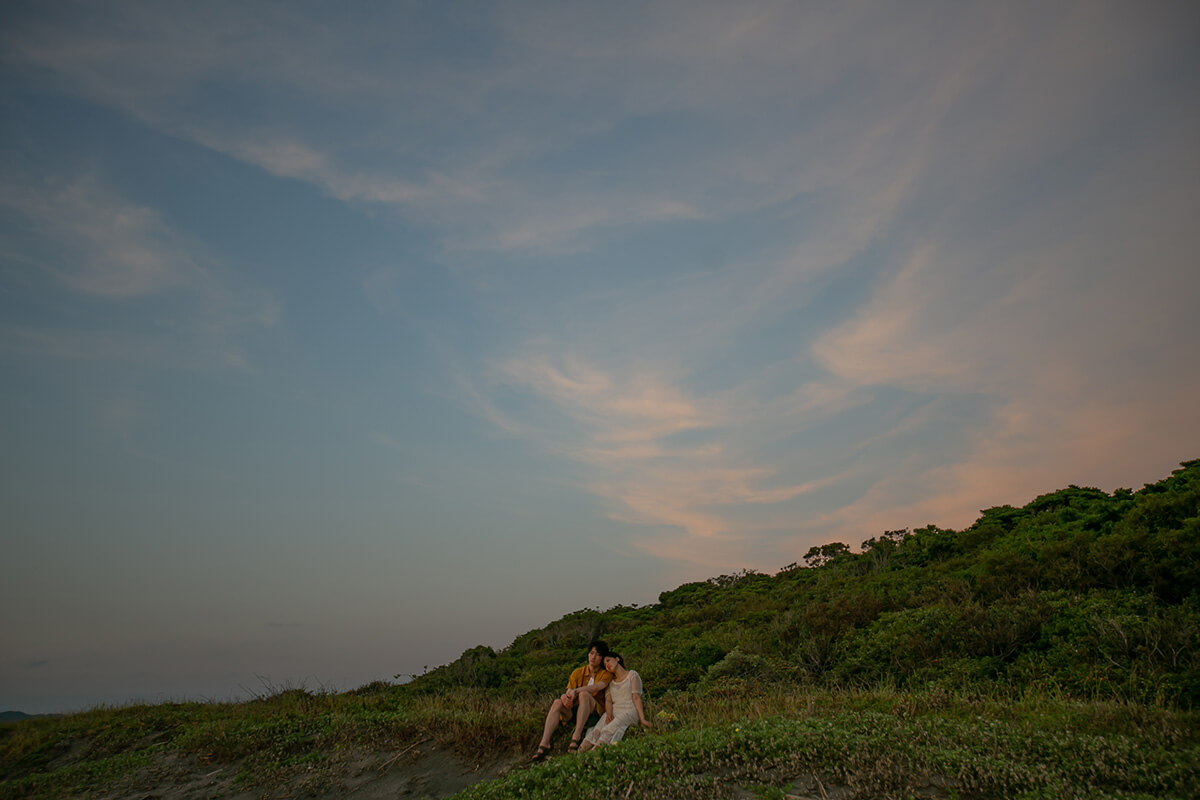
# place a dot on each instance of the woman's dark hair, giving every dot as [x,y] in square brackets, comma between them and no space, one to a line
[600,648]
[620,658]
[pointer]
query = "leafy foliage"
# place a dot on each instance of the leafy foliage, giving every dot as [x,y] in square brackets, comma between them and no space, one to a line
[1093,594]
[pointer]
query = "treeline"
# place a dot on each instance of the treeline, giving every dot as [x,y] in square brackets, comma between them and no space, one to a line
[1080,592]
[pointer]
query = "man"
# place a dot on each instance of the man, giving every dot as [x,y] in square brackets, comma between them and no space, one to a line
[584,695]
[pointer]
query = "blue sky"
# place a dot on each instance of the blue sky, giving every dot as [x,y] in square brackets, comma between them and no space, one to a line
[337,339]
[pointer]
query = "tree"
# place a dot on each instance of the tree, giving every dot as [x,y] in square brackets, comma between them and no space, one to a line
[826,554]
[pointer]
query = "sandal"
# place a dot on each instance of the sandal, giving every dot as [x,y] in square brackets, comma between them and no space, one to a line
[541,753]
[573,747]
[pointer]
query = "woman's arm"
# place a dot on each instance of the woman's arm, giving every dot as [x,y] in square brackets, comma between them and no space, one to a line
[608,707]
[637,703]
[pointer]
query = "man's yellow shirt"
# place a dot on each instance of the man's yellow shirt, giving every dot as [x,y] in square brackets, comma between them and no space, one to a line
[585,677]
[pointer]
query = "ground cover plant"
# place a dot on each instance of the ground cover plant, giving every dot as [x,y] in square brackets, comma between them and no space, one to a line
[1045,651]
[881,744]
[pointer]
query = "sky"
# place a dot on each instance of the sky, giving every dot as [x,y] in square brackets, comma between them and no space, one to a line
[336,339]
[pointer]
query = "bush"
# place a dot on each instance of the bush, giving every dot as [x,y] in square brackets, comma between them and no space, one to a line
[741,665]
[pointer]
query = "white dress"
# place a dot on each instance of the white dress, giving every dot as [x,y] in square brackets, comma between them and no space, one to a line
[624,712]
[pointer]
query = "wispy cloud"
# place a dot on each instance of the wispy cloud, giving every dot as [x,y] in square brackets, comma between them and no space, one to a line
[660,456]
[925,210]
[117,249]
[471,150]
[99,246]
[982,306]
[1067,318]
[640,408]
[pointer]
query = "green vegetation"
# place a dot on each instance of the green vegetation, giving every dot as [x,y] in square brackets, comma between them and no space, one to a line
[1046,651]
[887,745]
[1083,593]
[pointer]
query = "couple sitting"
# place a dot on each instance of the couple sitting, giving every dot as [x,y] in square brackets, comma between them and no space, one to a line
[603,694]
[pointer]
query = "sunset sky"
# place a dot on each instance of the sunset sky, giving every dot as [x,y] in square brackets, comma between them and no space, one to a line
[336,339]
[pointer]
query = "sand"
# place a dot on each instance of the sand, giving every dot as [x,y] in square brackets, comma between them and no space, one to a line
[421,770]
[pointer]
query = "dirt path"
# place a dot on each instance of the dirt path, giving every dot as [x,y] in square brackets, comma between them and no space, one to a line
[419,771]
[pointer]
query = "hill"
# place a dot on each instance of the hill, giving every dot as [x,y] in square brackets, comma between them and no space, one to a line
[1044,651]
[1090,594]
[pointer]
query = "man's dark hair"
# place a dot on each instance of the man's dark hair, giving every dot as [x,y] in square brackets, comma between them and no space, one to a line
[600,646]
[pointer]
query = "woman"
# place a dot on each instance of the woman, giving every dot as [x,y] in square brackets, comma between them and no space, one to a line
[622,705]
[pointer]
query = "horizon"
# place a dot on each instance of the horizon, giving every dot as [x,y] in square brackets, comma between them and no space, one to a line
[336,342]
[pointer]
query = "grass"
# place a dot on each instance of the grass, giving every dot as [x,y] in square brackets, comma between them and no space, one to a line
[269,739]
[880,744]
[733,739]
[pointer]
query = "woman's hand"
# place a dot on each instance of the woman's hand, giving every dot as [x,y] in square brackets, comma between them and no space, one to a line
[645,723]
[608,717]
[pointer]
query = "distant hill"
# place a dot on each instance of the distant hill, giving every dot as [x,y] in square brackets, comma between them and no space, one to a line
[1089,594]
[17,716]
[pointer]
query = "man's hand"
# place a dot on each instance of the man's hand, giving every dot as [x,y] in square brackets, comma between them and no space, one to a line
[568,698]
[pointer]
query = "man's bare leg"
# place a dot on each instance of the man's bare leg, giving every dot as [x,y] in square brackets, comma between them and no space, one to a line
[553,718]
[585,705]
